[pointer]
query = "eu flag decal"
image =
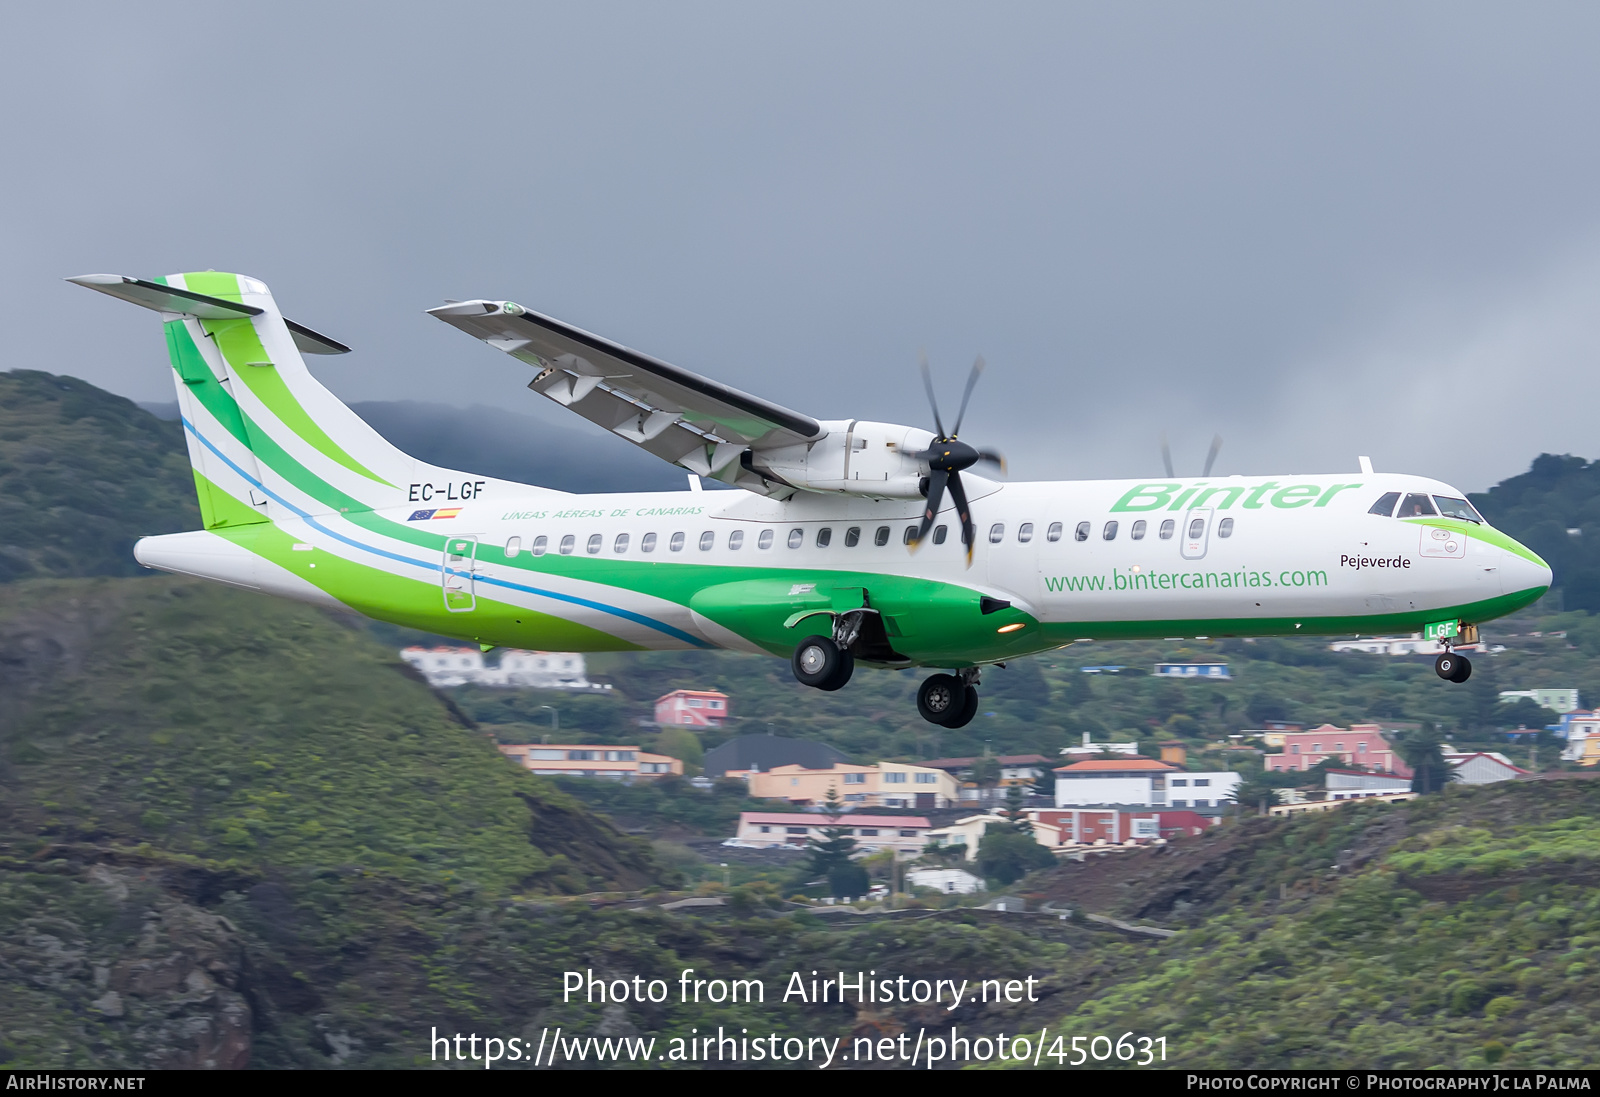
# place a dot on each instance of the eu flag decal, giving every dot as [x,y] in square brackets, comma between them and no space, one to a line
[420,516]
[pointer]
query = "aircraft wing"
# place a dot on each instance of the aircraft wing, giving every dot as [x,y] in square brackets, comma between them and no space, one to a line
[681,417]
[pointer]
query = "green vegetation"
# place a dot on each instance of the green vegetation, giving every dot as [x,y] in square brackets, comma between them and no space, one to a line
[84,474]
[1458,930]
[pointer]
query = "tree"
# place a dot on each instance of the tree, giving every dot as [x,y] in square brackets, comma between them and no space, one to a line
[1006,855]
[683,744]
[831,855]
[1254,794]
[1423,751]
[1523,712]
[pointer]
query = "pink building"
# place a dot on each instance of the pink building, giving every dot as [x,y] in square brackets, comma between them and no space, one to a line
[1359,744]
[694,708]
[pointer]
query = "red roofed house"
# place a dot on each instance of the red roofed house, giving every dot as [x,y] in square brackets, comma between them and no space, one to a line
[904,833]
[1141,782]
[694,708]
[1360,744]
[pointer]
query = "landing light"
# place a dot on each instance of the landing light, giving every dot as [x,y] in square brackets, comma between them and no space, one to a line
[1011,628]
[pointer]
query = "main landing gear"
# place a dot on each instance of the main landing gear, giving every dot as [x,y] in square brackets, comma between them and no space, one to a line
[949,700]
[1452,667]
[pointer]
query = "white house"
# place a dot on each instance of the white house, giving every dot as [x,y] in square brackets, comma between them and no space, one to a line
[445,667]
[1483,767]
[1141,782]
[1214,671]
[964,833]
[902,833]
[1091,749]
[951,881]
[1400,645]
[1556,700]
[1352,784]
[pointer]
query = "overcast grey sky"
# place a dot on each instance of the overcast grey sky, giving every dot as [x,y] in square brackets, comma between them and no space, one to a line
[1320,230]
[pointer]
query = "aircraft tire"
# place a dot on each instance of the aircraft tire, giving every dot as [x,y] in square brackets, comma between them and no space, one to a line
[1463,669]
[1448,665]
[820,663]
[969,708]
[938,697]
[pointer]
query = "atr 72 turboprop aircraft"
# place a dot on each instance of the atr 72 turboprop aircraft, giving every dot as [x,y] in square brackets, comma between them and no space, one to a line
[849,541]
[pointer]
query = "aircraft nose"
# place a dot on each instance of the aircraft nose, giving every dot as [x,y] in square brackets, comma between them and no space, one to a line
[1525,572]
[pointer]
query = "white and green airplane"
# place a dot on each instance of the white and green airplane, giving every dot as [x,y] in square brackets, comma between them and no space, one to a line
[847,540]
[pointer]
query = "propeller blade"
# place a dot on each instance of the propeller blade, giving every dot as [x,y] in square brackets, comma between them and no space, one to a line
[958,496]
[994,457]
[972,380]
[936,482]
[1211,458]
[1166,455]
[927,383]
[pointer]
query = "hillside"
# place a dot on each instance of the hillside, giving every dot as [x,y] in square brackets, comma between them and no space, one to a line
[84,474]
[156,756]
[1458,930]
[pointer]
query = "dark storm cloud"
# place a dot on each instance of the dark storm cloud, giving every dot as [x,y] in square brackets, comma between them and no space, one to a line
[1320,230]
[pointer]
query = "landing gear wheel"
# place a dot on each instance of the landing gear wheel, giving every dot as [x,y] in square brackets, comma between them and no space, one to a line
[822,664]
[940,697]
[969,708]
[1452,667]
[1463,669]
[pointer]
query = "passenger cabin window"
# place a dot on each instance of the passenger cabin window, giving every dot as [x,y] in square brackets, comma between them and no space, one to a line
[1082,532]
[1452,508]
[824,536]
[620,544]
[1385,504]
[676,544]
[997,532]
[765,540]
[595,541]
[911,531]
[540,545]
[1166,530]
[1109,532]
[1025,532]
[647,543]
[881,538]
[1137,532]
[1225,528]
[513,546]
[567,544]
[1196,528]
[736,540]
[797,538]
[1054,532]
[852,537]
[707,539]
[1417,505]
[940,533]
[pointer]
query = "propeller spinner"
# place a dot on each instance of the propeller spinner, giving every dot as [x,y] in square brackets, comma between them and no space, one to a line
[947,457]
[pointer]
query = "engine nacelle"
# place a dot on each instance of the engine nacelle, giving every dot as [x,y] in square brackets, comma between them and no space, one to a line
[855,456]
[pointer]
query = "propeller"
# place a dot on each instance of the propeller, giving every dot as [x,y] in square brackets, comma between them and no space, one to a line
[946,459]
[1211,455]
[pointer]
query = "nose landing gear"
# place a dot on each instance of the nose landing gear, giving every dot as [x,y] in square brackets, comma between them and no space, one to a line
[949,700]
[1452,667]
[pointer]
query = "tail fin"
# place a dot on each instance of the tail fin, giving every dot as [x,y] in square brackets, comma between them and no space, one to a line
[266,440]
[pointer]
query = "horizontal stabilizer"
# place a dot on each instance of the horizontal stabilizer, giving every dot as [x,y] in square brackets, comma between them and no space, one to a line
[162,298]
[153,295]
[311,342]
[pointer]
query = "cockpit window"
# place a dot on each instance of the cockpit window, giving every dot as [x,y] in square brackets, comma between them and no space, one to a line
[1417,506]
[1385,504]
[1456,508]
